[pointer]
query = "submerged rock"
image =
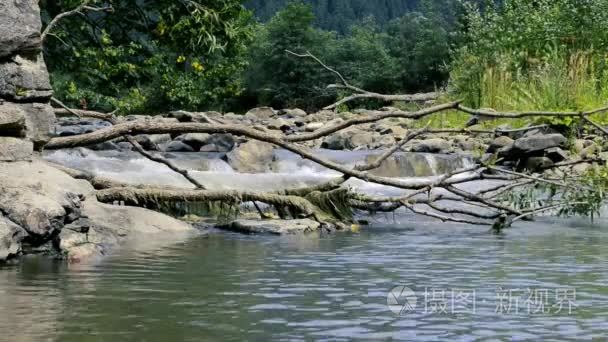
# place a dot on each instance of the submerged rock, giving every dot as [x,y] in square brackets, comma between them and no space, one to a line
[276,227]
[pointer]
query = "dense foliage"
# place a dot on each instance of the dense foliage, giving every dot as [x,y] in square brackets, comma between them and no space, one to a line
[546,54]
[147,55]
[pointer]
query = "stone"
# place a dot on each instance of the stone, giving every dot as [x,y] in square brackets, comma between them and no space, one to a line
[500,143]
[40,122]
[384,141]
[251,157]
[293,113]
[556,154]
[349,140]
[108,226]
[534,164]
[178,146]
[210,148]
[433,145]
[14,149]
[22,79]
[224,142]
[12,120]
[159,139]
[20,27]
[537,143]
[106,146]
[195,140]
[313,126]
[279,124]
[260,113]
[274,227]
[11,236]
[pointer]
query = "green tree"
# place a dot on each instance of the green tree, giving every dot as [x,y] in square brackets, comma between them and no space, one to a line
[278,79]
[149,55]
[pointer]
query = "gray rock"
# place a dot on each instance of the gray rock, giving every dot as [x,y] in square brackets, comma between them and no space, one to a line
[145,142]
[14,149]
[434,145]
[535,144]
[12,120]
[534,164]
[556,154]
[251,157]
[293,113]
[178,146]
[313,126]
[160,138]
[275,227]
[106,146]
[261,113]
[195,140]
[11,236]
[349,140]
[40,122]
[224,142]
[210,148]
[22,79]
[19,27]
[500,143]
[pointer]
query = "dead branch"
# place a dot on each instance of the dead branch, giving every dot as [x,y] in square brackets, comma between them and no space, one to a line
[361,93]
[84,6]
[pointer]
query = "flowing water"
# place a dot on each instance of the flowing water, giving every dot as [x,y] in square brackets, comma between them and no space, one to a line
[537,281]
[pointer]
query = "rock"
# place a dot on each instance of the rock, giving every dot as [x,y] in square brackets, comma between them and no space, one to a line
[383,141]
[556,154]
[251,157]
[276,227]
[40,122]
[224,142]
[534,164]
[434,145]
[124,146]
[210,148]
[107,226]
[502,142]
[107,146]
[536,143]
[14,149]
[293,113]
[195,140]
[361,140]
[178,146]
[11,237]
[159,139]
[279,124]
[22,79]
[589,151]
[145,142]
[349,140]
[260,113]
[12,120]
[313,126]
[20,27]
[42,201]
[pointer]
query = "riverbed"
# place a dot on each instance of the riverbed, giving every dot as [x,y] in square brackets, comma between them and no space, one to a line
[225,286]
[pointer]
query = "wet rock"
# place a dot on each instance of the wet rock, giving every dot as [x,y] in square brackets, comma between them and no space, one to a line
[224,142]
[383,141]
[14,149]
[11,237]
[159,139]
[275,227]
[178,146]
[20,27]
[195,140]
[434,145]
[22,79]
[210,148]
[251,157]
[313,126]
[261,113]
[106,146]
[349,140]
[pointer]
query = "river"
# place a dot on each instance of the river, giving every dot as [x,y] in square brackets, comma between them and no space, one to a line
[544,280]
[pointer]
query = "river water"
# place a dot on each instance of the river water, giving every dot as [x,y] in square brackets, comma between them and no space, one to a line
[544,280]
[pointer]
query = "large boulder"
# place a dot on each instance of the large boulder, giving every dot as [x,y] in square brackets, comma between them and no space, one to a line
[178,146]
[222,141]
[535,144]
[251,157]
[293,113]
[19,27]
[105,227]
[23,79]
[350,139]
[14,149]
[499,143]
[275,227]
[11,237]
[195,140]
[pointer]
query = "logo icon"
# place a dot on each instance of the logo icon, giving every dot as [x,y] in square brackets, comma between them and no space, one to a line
[401,300]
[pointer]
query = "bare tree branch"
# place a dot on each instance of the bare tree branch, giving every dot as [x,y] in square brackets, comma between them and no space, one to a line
[84,6]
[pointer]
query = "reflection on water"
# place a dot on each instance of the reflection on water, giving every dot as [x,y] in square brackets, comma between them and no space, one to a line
[224,286]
